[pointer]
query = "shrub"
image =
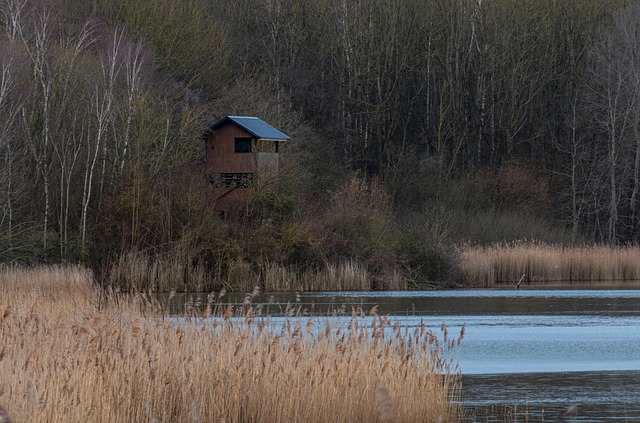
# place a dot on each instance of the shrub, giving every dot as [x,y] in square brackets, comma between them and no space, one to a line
[360,211]
[425,261]
[511,186]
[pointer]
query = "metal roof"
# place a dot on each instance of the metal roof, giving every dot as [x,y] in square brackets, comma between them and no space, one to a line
[255,126]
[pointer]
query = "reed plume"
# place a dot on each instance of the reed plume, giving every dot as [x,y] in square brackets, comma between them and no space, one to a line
[504,264]
[66,359]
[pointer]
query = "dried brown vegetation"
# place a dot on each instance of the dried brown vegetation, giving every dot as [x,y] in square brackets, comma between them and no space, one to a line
[136,273]
[66,354]
[542,263]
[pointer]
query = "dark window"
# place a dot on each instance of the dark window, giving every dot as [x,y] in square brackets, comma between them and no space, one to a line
[238,180]
[243,145]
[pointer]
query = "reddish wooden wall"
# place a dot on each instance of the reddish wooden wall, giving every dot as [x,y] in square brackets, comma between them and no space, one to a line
[221,155]
[222,158]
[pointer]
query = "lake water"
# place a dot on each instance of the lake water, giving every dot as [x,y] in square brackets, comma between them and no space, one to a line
[527,355]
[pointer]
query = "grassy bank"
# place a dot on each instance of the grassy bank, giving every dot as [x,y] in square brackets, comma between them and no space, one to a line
[68,353]
[543,263]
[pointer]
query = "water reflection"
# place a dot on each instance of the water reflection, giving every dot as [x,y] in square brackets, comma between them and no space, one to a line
[559,396]
[533,352]
[424,303]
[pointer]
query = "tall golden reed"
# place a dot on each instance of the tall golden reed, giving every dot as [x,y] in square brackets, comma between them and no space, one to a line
[544,263]
[347,275]
[134,272]
[68,356]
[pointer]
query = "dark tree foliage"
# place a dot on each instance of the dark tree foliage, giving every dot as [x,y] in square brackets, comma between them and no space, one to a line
[458,109]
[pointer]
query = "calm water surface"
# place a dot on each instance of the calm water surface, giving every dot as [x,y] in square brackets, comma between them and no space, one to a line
[554,355]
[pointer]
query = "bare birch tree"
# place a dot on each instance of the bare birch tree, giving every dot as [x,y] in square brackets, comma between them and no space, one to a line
[133,64]
[38,123]
[8,118]
[12,16]
[614,96]
[101,109]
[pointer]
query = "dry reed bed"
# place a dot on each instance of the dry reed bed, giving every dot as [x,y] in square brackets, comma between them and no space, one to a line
[488,266]
[348,275]
[135,272]
[67,356]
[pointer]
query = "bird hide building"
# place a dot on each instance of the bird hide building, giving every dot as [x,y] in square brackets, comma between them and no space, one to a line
[241,152]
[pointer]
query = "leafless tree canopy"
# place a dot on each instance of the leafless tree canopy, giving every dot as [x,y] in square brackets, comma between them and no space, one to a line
[103,103]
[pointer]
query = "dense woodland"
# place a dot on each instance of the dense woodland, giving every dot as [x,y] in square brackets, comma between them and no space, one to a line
[416,125]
